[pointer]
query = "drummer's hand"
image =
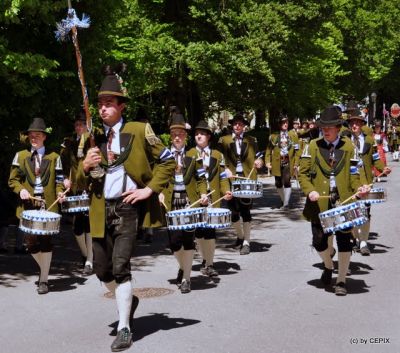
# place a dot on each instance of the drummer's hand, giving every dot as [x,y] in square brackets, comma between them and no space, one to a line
[386,171]
[228,195]
[132,196]
[92,159]
[161,198]
[67,183]
[61,197]
[258,163]
[228,172]
[268,165]
[313,196]
[24,194]
[203,199]
[363,190]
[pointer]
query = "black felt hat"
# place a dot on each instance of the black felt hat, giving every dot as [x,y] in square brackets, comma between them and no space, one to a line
[330,116]
[283,118]
[178,122]
[80,115]
[202,125]
[37,124]
[352,107]
[239,116]
[112,84]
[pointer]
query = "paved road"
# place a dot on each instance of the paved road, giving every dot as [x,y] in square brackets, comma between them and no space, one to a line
[269,301]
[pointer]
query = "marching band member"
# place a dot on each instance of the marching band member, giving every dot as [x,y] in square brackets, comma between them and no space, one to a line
[394,131]
[36,172]
[71,153]
[282,157]
[241,156]
[325,170]
[186,185]
[213,164]
[364,145]
[381,146]
[126,151]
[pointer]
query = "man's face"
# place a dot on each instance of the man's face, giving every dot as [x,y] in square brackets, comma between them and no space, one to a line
[355,126]
[238,127]
[110,110]
[202,138]
[80,127]
[36,139]
[296,125]
[284,125]
[178,137]
[330,133]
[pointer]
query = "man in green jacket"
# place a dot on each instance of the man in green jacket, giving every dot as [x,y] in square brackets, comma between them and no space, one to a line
[282,157]
[127,151]
[327,176]
[217,181]
[369,157]
[36,174]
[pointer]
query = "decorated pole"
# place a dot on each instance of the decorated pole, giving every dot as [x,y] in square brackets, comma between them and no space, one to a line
[71,25]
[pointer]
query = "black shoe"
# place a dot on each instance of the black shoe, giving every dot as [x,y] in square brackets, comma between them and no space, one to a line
[134,305]
[87,270]
[43,288]
[21,251]
[326,277]
[333,253]
[238,243]
[364,251]
[340,289]
[185,287]
[179,278]
[245,250]
[122,341]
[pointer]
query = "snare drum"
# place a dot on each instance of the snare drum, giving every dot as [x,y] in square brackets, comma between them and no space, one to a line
[218,218]
[343,217]
[186,218]
[377,195]
[40,222]
[248,189]
[75,204]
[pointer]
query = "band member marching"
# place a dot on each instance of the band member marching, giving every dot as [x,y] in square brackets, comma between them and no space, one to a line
[394,131]
[369,157]
[71,153]
[186,185]
[126,151]
[381,146]
[213,164]
[37,173]
[242,159]
[326,176]
[282,157]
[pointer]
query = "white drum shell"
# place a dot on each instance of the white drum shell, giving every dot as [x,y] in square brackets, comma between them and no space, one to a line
[75,204]
[218,218]
[186,218]
[40,222]
[249,189]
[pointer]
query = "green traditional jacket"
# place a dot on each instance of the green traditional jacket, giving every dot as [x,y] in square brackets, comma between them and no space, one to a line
[22,176]
[393,136]
[315,173]
[217,179]
[70,160]
[370,157]
[273,152]
[146,161]
[249,150]
[193,178]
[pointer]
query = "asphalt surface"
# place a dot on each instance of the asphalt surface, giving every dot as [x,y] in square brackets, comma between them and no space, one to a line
[268,301]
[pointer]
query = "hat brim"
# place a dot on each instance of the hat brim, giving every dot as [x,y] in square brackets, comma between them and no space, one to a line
[336,122]
[356,117]
[230,121]
[178,126]
[36,130]
[112,94]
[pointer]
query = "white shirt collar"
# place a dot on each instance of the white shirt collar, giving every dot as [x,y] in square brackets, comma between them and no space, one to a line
[241,135]
[173,149]
[334,143]
[40,150]
[116,127]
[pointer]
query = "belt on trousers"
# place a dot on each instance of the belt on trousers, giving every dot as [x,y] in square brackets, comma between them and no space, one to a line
[114,201]
[179,194]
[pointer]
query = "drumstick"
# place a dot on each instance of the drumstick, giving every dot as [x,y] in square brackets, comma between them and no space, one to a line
[217,201]
[58,199]
[36,198]
[353,196]
[239,177]
[165,206]
[251,172]
[196,202]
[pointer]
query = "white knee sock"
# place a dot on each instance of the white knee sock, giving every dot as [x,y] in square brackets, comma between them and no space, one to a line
[326,258]
[364,232]
[209,251]
[187,263]
[246,232]
[280,193]
[89,249]
[286,196]
[123,295]
[80,239]
[45,268]
[343,266]
[238,228]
